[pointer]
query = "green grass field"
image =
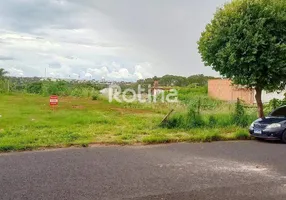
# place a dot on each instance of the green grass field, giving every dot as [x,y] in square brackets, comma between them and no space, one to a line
[27,122]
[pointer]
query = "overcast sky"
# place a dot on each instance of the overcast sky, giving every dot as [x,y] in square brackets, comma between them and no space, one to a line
[114,39]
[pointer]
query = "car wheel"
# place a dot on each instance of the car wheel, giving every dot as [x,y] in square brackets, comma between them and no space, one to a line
[284,137]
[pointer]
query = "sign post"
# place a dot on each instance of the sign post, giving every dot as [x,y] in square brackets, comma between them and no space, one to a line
[54,101]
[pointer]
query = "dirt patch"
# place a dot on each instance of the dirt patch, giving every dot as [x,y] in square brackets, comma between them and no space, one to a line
[77,103]
[69,99]
[78,107]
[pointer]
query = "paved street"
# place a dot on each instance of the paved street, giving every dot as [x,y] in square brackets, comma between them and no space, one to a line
[219,170]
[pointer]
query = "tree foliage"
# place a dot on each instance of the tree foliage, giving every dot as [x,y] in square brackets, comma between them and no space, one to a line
[180,81]
[246,42]
[3,73]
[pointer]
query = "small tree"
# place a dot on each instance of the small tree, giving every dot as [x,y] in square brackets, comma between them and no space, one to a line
[2,73]
[246,42]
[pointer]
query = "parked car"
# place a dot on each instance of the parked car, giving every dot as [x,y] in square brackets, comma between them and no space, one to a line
[272,127]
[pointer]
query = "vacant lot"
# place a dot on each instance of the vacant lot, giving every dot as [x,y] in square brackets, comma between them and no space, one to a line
[28,122]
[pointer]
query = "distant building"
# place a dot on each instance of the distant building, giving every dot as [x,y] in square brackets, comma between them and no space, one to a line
[223,89]
[156,90]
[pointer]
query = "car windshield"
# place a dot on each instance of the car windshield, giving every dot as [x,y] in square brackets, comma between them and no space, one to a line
[280,112]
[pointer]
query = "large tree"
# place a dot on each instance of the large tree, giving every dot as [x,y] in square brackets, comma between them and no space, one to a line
[246,42]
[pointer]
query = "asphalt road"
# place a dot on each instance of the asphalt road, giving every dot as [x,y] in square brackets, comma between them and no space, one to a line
[220,170]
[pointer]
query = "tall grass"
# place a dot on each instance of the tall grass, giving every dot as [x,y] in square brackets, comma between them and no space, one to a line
[192,95]
[193,118]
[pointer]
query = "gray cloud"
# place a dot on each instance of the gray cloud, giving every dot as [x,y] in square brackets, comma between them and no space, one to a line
[55,65]
[26,15]
[105,38]
[6,58]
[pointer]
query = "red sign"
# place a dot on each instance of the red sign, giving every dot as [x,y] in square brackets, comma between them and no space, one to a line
[54,100]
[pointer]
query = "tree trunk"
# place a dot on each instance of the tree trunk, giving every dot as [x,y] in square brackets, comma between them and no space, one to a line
[259,102]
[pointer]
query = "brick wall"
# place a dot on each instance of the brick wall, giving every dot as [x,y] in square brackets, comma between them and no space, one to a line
[223,89]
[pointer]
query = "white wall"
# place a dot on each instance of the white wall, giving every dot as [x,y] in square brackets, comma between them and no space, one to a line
[266,97]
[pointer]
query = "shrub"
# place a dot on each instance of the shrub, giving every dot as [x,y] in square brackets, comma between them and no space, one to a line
[174,122]
[273,104]
[239,116]
[212,121]
[35,88]
[55,88]
[193,119]
[95,96]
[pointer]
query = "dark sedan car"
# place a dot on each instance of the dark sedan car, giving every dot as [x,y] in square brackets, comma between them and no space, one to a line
[272,127]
